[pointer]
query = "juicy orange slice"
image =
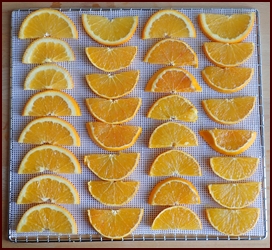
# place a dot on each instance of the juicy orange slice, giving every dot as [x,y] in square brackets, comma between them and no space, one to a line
[172,80]
[113,137]
[44,216]
[50,130]
[234,168]
[229,142]
[233,221]
[112,167]
[226,28]
[111,59]
[51,102]
[176,217]
[45,50]
[47,22]
[228,55]
[227,80]
[229,111]
[173,107]
[175,162]
[235,195]
[61,161]
[115,224]
[169,51]
[113,193]
[113,111]
[110,32]
[112,86]
[168,23]
[48,187]
[171,134]
[174,191]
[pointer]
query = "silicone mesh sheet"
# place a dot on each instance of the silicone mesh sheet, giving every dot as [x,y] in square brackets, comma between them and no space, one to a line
[78,69]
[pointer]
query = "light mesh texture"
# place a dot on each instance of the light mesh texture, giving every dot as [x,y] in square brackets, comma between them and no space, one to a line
[81,67]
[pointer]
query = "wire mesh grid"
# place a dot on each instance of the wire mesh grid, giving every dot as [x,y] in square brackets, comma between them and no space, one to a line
[81,67]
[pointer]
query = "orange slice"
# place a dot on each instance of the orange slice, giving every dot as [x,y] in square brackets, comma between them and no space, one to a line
[112,86]
[110,32]
[48,76]
[115,224]
[174,191]
[113,137]
[172,52]
[44,216]
[61,161]
[171,134]
[45,50]
[50,130]
[113,193]
[48,187]
[227,80]
[47,22]
[173,107]
[112,167]
[229,142]
[235,195]
[172,80]
[113,111]
[234,168]
[228,55]
[175,162]
[229,111]
[233,222]
[51,102]
[111,59]
[176,217]
[226,28]
[168,23]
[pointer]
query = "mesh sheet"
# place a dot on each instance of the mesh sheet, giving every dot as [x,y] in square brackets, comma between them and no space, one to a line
[78,69]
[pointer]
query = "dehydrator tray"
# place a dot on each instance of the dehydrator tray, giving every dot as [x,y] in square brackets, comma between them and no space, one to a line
[81,67]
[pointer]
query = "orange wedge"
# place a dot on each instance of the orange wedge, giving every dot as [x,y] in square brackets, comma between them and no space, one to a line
[113,193]
[229,111]
[228,55]
[47,22]
[171,134]
[44,216]
[62,161]
[171,52]
[229,142]
[175,162]
[50,130]
[112,167]
[111,59]
[172,80]
[112,86]
[113,111]
[234,168]
[110,32]
[226,28]
[227,80]
[235,195]
[51,103]
[115,224]
[46,50]
[48,76]
[168,23]
[176,217]
[173,107]
[174,191]
[233,221]
[48,187]
[113,137]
